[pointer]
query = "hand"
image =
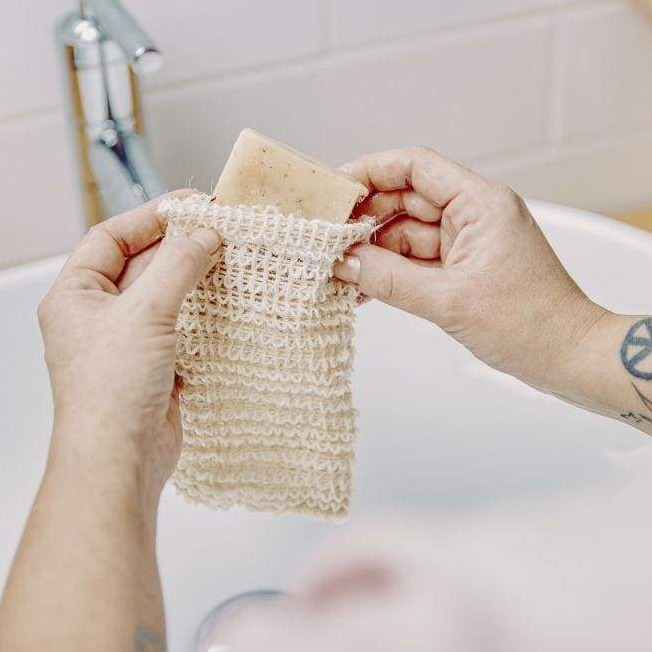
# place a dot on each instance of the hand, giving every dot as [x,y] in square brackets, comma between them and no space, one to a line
[466,254]
[108,325]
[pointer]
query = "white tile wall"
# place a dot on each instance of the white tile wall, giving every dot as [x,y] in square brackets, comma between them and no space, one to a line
[29,67]
[41,212]
[205,37]
[552,96]
[342,107]
[605,177]
[607,77]
[364,21]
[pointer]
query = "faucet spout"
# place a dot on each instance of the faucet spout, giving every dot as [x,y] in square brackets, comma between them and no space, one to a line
[104,51]
[138,47]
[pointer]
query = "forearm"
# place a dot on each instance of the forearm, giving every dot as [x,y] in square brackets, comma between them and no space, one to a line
[85,575]
[606,371]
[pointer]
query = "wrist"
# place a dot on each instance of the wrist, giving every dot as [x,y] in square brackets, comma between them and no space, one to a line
[93,457]
[571,326]
[589,329]
[592,375]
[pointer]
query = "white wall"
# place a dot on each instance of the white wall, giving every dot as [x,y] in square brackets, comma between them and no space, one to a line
[551,96]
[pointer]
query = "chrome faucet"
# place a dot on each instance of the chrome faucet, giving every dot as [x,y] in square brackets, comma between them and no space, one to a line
[105,50]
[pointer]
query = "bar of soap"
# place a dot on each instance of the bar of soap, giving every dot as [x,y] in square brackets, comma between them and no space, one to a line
[262,171]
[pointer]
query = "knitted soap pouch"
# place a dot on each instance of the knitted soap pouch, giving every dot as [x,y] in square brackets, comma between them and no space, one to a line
[265,353]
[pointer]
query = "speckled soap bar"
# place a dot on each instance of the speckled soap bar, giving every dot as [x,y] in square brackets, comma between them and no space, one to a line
[261,171]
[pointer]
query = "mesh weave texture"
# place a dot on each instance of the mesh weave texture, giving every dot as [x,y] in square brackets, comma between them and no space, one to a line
[265,352]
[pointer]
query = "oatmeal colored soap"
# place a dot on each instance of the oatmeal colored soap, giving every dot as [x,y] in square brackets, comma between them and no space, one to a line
[262,171]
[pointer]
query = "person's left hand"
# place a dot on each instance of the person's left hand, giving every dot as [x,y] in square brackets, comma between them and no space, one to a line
[108,325]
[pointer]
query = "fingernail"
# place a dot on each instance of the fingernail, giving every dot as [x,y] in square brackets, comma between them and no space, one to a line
[208,239]
[348,269]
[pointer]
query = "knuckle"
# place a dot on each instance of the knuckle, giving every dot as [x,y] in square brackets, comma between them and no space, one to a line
[386,289]
[52,307]
[505,195]
[91,234]
[422,151]
[495,201]
[94,230]
[185,251]
[43,309]
[394,288]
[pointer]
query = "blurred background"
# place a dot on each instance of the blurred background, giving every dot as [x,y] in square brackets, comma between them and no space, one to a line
[553,97]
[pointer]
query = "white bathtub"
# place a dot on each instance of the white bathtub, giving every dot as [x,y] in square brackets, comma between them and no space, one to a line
[438,428]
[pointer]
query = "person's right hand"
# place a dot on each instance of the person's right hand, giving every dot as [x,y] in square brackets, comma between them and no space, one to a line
[466,254]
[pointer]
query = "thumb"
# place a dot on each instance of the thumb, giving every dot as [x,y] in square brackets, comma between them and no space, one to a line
[178,265]
[392,279]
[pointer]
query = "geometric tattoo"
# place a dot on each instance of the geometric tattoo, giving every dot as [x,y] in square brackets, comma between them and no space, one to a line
[635,353]
[636,349]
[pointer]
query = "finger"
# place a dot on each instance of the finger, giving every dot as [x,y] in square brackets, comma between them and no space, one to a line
[417,206]
[410,237]
[362,298]
[175,270]
[392,279]
[136,265]
[385,205]
[109,244]
[447,234]
[433,176]
[423,262]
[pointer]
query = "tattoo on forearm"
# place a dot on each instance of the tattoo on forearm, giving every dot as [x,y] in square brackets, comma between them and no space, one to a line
[636,348]
[636,417]
[146,640]
[644,399]
[634,353]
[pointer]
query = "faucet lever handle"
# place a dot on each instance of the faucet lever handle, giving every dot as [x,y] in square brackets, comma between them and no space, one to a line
[122,27]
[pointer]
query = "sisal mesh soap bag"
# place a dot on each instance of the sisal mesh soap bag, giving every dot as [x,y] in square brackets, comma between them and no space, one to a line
[265,353]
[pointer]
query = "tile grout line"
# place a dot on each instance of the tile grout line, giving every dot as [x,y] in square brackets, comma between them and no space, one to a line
[46,112]
[328,54]
[325,56]
[393,45]
[548,152]
[307,64]
[462,25]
